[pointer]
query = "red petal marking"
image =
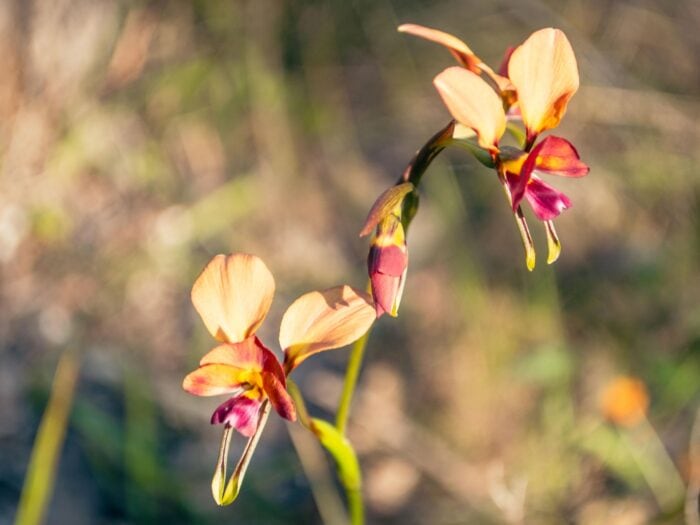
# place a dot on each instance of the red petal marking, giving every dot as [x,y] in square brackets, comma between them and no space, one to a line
[557,156]
[240,412]
[279,397]
[546,202]
[517,192]
[271,365]
[518,184]
[248,354]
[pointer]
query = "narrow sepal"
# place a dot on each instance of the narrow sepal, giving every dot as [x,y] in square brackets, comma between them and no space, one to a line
[459,50]
[553,244]
[225,492]
[528,245]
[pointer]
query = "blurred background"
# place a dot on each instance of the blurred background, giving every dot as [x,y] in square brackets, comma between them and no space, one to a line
[138,139]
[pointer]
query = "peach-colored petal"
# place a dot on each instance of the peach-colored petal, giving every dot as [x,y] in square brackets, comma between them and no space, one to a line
[233,295]
[472,103]
[454,45]
[544,72]
[324,320]
[214,380]
[247,354]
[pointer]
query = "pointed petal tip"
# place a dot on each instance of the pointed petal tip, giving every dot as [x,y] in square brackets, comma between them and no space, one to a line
[553,243]
[530,260]
[553,256]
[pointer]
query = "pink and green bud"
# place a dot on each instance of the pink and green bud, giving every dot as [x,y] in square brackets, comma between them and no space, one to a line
[387,264]
[388,256]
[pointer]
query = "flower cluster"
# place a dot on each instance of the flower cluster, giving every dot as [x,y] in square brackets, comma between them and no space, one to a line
[233,295]
[533,87]
[527,96]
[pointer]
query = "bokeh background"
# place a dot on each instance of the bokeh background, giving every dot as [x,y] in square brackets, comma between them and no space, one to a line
[138,139]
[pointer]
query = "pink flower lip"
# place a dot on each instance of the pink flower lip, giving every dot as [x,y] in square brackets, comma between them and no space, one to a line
[239,412]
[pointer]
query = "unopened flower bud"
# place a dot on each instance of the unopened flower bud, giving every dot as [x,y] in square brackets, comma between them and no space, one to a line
[387,264]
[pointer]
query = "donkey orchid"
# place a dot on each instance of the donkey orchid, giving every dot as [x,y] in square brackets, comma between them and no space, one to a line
[233,295]
[544,74]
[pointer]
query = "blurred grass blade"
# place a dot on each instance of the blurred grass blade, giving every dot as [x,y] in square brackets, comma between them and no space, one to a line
[43,463]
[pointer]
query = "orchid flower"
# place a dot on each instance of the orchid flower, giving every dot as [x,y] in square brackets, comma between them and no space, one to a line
[544,74]
[233,295]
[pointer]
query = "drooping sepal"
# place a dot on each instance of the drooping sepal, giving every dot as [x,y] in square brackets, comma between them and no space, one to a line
[553,243]
[226,492]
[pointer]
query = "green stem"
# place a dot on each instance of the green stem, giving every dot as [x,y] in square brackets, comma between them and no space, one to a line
[356,506]
[413,173]
[351,375]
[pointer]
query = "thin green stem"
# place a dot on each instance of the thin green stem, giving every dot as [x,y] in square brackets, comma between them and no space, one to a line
[413,173]
[356,506]
[351,375]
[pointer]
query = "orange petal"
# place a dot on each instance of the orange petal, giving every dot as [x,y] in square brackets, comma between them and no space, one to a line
[472,103]
[233,295]
[544,72]
[247,354]
[324,320]
[214,380]
[454,45]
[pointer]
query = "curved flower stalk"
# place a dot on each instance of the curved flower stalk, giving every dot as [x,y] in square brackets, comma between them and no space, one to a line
[233,295]
[534,85]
